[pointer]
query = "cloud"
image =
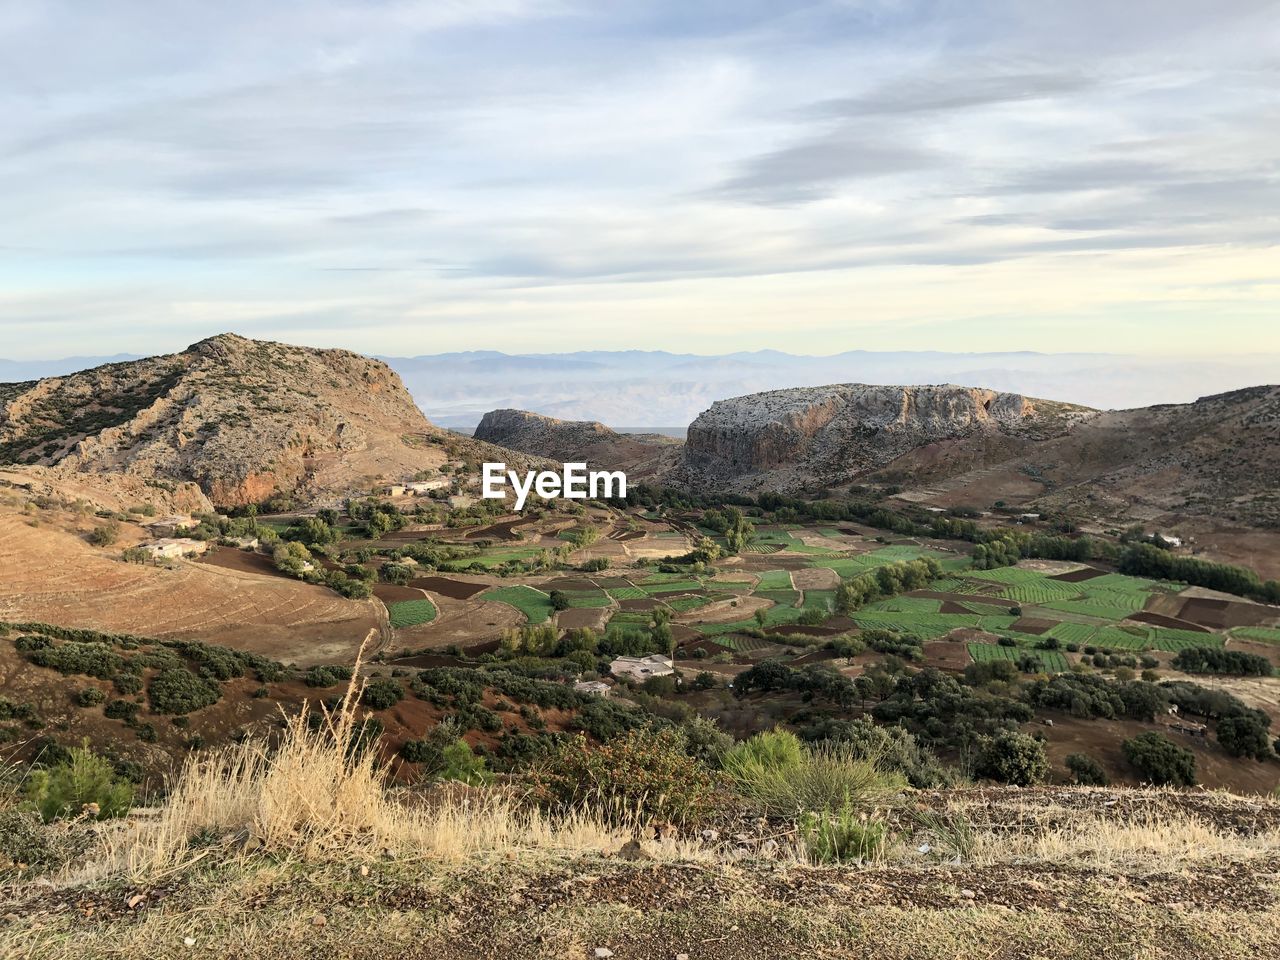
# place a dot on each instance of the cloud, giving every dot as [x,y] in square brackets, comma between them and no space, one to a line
[955,91]
[441,170]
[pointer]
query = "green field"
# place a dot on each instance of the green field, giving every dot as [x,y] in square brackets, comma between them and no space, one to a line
[626,593]
[775,580]
[534,604]
[1050,660]
[1263,634]
[411,613]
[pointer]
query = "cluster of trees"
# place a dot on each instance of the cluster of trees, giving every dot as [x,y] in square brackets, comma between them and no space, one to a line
[732,524]
[1147,560]
[1004,548]
[886,581]
[1091,696]
[1215,660]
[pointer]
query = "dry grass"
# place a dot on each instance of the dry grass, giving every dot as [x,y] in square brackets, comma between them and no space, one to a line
[312,799]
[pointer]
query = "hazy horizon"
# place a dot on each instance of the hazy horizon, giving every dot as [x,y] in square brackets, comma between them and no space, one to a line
[649,389]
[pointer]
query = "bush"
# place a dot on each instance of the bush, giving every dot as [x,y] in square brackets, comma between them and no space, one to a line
[105,535]
[779,776]
[1160,761]
[842,836]
[1087,771]
[125,710]
[179,691]
[329,676]
[75,786]
[90,697]
[644,774]
[382,694]
[1013,758]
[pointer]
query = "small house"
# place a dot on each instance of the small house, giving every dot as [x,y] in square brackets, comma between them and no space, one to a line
[167,526]
[642,668]
[172,548]
[419,487]
[596,688]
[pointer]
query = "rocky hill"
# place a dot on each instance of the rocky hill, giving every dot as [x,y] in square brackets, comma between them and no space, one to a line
[1218,457]
[815,436]
[243,419]
[641,455]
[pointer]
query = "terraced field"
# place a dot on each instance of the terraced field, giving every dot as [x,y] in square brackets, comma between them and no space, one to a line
[534,604]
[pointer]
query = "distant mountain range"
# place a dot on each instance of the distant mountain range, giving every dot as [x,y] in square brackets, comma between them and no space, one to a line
[634,389]
[655,389]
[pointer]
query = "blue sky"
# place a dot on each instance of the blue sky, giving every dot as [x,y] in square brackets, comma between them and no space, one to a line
[415,177]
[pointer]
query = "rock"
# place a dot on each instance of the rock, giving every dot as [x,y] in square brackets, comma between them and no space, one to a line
[319,920]
[603,952]
[709,836]
[188,941]
[785,439]
[968,894]
[633,849]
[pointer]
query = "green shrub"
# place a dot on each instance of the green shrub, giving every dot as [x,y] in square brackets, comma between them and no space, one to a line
[179,691]
[1160,761]
[842,836]
[1087,771]
[125,710]
[90,697]
[73,787]
[1013,758]
[644,774]
[779,776]
[127,683]
[382,694]
[327,676]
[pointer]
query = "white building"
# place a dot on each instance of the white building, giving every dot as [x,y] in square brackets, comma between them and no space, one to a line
[420,487]
[642,668]
[171,548]
[597,687]
[167,526]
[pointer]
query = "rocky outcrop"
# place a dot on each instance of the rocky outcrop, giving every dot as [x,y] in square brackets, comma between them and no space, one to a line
[806,436]
[243,419]
[640,455]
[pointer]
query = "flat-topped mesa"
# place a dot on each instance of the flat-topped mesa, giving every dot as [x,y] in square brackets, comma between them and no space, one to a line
[837,431]
[585,441]
[242,418]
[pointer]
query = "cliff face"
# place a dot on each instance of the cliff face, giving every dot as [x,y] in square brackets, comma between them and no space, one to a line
[240,418]
[641,455]
[785,439]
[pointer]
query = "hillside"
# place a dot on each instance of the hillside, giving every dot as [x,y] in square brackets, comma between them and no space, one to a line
[948,446]
[240,418]
[818,436]
[641,455]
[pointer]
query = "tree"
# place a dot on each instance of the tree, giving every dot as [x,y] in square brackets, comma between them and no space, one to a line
[1244,736]
[82,784]
[1160,761]
[1013,758]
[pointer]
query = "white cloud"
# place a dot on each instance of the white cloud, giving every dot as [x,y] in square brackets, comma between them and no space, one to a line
[408,176]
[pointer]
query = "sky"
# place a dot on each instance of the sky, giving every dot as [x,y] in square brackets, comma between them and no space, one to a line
[418,176]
